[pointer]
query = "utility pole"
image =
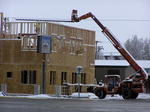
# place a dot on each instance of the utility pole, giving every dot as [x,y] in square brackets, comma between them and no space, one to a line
[98,48]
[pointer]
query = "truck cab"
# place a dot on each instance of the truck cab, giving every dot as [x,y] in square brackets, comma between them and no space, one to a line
[112,82]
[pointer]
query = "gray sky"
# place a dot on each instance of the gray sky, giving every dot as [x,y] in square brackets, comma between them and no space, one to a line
[102,9]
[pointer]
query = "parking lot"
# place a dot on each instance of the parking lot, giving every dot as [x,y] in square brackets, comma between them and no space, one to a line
[73,105]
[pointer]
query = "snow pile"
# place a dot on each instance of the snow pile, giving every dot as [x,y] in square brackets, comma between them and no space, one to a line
[2,94]
[110,97]
[118,97]
[144,96]
[40,96]
[84,95]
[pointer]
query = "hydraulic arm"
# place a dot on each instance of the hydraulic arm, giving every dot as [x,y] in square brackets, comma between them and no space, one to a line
[114,41]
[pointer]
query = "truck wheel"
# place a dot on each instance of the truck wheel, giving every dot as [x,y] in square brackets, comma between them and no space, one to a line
[126,93]
[134,95]
[100,93]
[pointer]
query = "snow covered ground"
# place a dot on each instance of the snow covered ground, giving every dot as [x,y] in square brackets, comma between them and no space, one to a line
[40,96]
[108,97]
[143,96]
[1,94]
[75,95]
[84,95]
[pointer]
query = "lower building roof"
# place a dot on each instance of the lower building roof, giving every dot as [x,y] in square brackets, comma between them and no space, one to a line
[143,63]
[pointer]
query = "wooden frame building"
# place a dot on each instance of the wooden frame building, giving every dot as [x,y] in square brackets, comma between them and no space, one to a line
[21,65]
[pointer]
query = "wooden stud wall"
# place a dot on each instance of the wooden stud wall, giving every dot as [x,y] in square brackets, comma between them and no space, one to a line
[14,58]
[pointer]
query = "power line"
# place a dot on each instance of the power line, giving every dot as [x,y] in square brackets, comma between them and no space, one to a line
[140,20]
[124,19]
[43,20]
[66,20]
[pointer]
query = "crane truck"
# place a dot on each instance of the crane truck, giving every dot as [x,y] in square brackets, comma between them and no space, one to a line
[130,87]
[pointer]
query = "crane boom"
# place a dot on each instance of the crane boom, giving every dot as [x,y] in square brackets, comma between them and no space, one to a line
[114,41]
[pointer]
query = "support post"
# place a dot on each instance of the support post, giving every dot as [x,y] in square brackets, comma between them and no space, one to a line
[79,82]
[44,46]
[79,70]
[43,77]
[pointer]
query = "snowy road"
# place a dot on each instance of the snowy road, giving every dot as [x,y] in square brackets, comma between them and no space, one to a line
[73,105]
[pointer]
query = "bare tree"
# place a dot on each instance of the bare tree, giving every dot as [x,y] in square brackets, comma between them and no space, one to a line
[146,50]
[135,47]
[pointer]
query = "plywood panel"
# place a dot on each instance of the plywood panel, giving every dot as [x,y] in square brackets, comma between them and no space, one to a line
[14,59]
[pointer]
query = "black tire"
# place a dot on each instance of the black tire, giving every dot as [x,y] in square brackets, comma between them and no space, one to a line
[126,93]
[100,93]
[134,95]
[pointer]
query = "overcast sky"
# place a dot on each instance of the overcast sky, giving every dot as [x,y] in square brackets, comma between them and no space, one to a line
[102,9]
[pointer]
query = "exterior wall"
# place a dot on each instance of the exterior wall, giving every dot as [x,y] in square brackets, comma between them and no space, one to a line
[13,58]
[129,71]
[101,71]
[147,85]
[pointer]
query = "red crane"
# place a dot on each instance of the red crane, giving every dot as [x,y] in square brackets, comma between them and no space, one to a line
[125,85]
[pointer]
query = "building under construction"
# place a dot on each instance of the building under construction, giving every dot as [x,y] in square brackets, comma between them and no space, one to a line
[21,65]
